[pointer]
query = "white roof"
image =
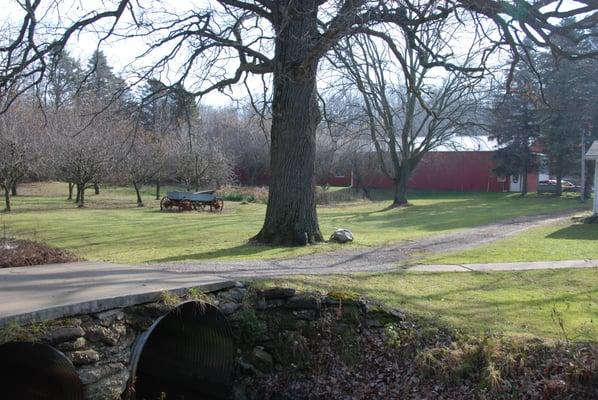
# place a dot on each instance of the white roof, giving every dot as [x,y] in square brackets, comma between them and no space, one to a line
[468,143]
[592,154]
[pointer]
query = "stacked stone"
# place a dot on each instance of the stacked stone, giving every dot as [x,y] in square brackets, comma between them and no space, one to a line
[279,323]
[291,319]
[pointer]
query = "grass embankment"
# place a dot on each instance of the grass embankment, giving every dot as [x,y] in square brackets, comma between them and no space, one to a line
[512,303]
[111,228]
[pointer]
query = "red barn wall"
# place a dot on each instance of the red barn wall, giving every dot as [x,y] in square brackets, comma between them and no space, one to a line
[469,171]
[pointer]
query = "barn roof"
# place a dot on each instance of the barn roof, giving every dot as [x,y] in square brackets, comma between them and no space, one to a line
[592,154]
[468,143]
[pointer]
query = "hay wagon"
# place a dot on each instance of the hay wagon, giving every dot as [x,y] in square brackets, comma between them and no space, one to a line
[189,201]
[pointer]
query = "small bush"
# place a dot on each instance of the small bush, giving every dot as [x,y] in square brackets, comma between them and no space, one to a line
[247,328]
[244,194]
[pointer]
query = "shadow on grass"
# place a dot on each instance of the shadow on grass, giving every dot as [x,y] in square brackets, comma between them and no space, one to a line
[244,250]
[521,303]
[449,214]
[576,232]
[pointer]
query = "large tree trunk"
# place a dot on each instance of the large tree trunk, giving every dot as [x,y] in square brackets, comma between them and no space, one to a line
[13,189]
[96,188]
[291,213]
[70,191]
[158,189]
[6,199]
[139,201]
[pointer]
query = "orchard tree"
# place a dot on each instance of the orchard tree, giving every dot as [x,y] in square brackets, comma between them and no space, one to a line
[286,40]
[201,164]
[13,165]
[18,155]
[141,161]
[84,154]
[243,138]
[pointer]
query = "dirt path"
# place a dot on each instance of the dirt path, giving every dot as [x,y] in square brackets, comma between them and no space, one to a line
[371,259]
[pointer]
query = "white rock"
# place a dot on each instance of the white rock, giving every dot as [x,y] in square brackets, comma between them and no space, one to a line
[342,236]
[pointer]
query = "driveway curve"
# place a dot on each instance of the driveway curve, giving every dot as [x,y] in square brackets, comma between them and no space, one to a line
[370,259]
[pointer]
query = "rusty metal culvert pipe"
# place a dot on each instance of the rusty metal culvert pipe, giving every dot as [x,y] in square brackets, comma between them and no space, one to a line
[36,371]
[186,354]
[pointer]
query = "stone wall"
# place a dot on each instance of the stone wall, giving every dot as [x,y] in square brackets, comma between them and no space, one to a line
[270,328]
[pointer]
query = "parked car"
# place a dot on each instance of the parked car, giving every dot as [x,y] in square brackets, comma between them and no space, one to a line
[567,186]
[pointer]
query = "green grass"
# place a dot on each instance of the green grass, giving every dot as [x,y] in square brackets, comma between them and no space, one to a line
[113,229]
[512,303]
[568,241]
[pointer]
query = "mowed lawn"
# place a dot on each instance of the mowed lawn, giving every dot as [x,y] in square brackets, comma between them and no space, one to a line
[531,303]
[111,228]
[566,241]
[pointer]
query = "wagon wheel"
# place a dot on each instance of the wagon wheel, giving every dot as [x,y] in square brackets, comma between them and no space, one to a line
[185,205]
[165,203]
[218,204]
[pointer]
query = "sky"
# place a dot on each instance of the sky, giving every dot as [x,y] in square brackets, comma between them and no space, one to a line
[120,52]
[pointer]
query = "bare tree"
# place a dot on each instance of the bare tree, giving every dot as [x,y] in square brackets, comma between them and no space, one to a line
[13,166]
[287,39]
[245,140]
[80,154]
[141,162]
[200,164]
[407,108]
[17,152]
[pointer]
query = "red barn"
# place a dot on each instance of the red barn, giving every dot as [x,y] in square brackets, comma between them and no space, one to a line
[468,171]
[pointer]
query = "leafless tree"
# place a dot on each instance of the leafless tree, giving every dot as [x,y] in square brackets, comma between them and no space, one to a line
[141,161]
[286,39]
[245,140]
[200,164]
[407,108]
[326,158]
[18,155]
[80,154]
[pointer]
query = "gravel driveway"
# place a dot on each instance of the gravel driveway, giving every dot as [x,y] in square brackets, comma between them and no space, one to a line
[371,259]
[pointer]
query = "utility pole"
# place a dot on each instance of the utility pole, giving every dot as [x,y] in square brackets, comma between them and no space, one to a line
[583,165]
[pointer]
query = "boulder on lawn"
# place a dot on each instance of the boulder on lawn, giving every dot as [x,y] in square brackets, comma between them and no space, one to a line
[342,236]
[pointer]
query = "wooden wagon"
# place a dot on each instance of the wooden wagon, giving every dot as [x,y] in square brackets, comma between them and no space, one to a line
[188,201]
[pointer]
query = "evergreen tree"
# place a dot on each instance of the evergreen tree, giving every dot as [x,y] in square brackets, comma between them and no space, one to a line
[571,94]
[516,127]
[64,78]
[100,82]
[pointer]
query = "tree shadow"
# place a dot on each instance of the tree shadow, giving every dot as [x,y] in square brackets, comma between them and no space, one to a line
[498,301]
[244,250]
[576,232]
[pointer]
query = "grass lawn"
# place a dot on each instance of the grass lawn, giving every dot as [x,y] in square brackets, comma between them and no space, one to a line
[113,229]
[569,241]
[513,303]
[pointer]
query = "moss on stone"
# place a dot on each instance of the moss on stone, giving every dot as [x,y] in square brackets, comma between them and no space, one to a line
[344,296]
